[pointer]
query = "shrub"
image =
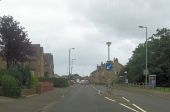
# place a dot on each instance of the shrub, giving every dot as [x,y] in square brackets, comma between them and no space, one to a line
[23,75]
[10,86]
[34,82]
[43,79]
[2,72]
[60,82]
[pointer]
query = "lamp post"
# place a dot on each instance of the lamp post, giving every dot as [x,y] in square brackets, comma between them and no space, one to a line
[69,60]
[146,65]
[72,65]
[108,43]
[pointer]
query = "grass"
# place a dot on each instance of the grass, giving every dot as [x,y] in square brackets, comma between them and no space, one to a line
[157,89]
[163,89]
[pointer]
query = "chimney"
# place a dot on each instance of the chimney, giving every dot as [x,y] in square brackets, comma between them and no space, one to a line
[116,60]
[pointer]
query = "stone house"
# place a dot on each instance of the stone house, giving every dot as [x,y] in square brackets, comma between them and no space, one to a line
[36,61]
[40,63]
[48,65]
[101,75]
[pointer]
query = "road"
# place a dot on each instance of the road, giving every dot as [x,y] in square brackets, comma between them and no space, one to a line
[89,98]
[145,99]
[86,98]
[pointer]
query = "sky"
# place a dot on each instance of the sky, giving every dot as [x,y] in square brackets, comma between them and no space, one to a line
[87,25]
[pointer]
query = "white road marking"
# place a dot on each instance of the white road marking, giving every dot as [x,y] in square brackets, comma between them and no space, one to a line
[109,99]
[94,88]
[128,107]
[126,99]
[99,92]
[139,108]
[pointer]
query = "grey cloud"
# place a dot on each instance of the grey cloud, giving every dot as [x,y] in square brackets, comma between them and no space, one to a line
[87,25]
[121,18]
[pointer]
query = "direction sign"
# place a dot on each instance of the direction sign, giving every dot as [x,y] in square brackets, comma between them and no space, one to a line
[144,72]
[109,66]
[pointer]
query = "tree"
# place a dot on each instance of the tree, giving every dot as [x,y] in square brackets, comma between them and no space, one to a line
[158,59]
[14,44]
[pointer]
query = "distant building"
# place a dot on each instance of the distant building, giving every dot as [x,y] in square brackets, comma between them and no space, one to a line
[48,65]
[36,61]
[101,75]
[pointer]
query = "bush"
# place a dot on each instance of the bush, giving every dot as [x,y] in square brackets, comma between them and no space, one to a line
[34,82]
[44,79]
[23,75]
[60,82]
[10,86]
[2,72]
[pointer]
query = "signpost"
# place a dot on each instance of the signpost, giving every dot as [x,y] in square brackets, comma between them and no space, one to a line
[144,72]
[109,66]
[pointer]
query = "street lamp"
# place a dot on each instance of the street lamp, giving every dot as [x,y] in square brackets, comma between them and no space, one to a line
[72,65]
[146,70]
[69,59]
[108,43]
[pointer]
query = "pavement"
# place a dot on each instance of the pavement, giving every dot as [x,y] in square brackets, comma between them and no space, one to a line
[88,98]
[35,103]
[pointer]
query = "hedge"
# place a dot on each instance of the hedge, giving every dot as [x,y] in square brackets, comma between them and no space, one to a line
[10,86]
[58,82]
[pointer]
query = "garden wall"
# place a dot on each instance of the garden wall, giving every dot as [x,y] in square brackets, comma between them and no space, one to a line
[44,87]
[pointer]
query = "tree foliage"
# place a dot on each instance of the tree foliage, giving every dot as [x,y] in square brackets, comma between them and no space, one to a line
[14,44]
[158,59]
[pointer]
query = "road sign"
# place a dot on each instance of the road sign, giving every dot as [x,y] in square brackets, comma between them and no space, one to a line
[109,66]
[144,72]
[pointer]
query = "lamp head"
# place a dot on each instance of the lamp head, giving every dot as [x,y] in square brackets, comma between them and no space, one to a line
[108,43]
[141,27]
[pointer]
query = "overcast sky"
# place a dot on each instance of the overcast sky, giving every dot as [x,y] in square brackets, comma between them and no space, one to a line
[87,25]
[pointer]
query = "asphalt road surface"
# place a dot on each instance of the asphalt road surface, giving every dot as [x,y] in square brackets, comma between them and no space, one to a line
[90,98]
[86,98]
[144,100]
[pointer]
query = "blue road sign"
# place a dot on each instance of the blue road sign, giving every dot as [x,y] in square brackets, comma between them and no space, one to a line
[109,66]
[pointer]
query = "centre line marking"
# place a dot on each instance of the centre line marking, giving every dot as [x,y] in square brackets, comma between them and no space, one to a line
[128,107]
[94,88]
[139,108]
[109,99]
[126,99]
